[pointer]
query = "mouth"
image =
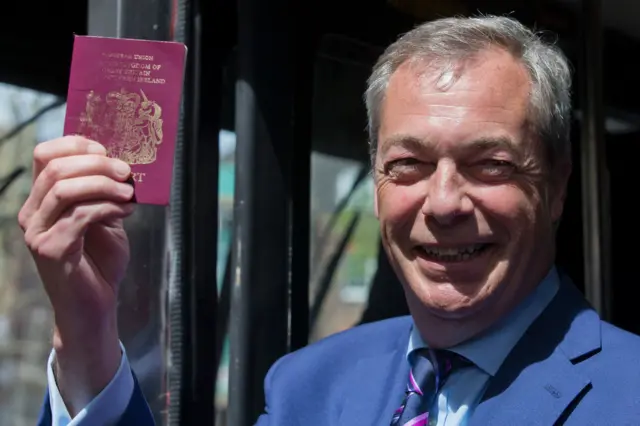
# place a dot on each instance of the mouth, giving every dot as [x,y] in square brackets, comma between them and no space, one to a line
[463,253]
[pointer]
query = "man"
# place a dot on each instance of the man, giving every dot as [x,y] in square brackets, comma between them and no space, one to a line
[469,124]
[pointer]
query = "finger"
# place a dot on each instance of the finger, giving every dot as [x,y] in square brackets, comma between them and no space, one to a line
[69,192]
[71,167]
[65,237]
[66,146]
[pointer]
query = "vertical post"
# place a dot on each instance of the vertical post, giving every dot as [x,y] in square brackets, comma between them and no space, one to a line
[305,44]
[595,176]
[194,212]
[269,214]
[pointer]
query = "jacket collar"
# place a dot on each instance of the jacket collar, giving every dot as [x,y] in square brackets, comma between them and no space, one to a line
[539,379]
[536,383]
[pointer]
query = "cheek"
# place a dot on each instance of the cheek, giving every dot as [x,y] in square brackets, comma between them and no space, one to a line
[399,204]
[507,207]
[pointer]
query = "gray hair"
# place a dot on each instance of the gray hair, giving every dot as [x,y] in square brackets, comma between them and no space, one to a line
[448,41]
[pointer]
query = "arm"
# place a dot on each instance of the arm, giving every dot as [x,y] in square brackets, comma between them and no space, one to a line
[121,403]
[73,226]
[106,408]
[270,415]
[264,419]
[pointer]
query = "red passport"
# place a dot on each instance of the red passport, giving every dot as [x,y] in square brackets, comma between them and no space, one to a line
[126,95]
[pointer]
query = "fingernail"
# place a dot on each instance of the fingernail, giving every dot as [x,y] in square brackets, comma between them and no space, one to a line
[132,182]
[96,148]
[122,168]
[128,191]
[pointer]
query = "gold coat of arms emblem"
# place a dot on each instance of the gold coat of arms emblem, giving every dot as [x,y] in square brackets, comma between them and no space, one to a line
[127,123]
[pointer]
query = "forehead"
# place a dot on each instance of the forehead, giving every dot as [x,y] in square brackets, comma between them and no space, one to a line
[487,99]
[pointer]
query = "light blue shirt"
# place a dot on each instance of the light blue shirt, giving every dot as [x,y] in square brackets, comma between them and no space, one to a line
[463,390]
[453,405]
[105,409]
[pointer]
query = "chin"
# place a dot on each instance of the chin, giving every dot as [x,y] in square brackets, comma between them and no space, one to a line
[448,300]
[453,291]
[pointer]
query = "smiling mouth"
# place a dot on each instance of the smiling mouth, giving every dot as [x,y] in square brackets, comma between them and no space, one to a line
[452,254]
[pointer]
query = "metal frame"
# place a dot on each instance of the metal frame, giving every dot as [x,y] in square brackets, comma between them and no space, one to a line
[595,176]
[194,209]
[203,27]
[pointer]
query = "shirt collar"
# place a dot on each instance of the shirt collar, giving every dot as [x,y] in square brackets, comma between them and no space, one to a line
[489,350]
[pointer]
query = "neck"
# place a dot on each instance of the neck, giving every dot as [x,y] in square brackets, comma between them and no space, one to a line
[441,333]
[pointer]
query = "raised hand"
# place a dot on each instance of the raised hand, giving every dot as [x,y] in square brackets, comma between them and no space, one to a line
[72,222]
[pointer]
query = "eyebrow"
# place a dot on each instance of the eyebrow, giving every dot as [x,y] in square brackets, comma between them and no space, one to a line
[412,143]
[492,144]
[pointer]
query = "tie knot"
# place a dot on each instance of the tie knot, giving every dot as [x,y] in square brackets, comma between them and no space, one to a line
[431,368]
[448,361]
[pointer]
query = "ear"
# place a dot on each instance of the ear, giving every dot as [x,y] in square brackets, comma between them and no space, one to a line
[559,190]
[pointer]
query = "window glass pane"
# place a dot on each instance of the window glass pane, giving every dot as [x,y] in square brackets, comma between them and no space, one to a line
[341,189]
[25,313]
[334,180]
[226,181]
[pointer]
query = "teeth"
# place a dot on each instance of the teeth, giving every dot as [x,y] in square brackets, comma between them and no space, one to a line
[453,254]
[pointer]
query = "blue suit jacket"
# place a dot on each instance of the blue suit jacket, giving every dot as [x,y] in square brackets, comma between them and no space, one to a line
[569,368]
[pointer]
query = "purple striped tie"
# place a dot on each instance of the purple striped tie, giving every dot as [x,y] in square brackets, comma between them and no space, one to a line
[429,371]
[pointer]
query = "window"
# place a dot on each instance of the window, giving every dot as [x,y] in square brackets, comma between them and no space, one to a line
[25,315]
[342,225]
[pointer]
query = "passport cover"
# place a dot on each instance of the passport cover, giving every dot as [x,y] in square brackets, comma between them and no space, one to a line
[126,94]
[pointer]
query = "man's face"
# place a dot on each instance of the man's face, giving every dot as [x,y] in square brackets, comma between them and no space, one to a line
[463,193]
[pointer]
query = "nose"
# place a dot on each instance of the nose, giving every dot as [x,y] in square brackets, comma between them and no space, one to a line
[446,201]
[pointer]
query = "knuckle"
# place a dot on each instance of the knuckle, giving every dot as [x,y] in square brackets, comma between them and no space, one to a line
[54,169]
[79,143]
[77,140]
[100,162]
[33,242]
[80,214]
[59,190]
[41,248]
[23,218]
[53,245]
[105,185]
[39,152]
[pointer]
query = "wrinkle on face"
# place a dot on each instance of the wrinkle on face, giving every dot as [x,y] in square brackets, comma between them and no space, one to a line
[469,106]
[481,95]
[440,133]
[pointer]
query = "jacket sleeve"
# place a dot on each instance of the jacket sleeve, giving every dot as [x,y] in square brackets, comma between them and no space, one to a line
[121,403]
[272,414]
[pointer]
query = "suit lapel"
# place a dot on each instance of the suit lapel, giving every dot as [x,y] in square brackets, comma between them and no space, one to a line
[535,394]
[375,387]
[539,380]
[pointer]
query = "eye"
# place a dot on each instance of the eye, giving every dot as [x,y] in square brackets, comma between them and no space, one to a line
[401,165]
[494,169]
[402,162]
[406,168]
